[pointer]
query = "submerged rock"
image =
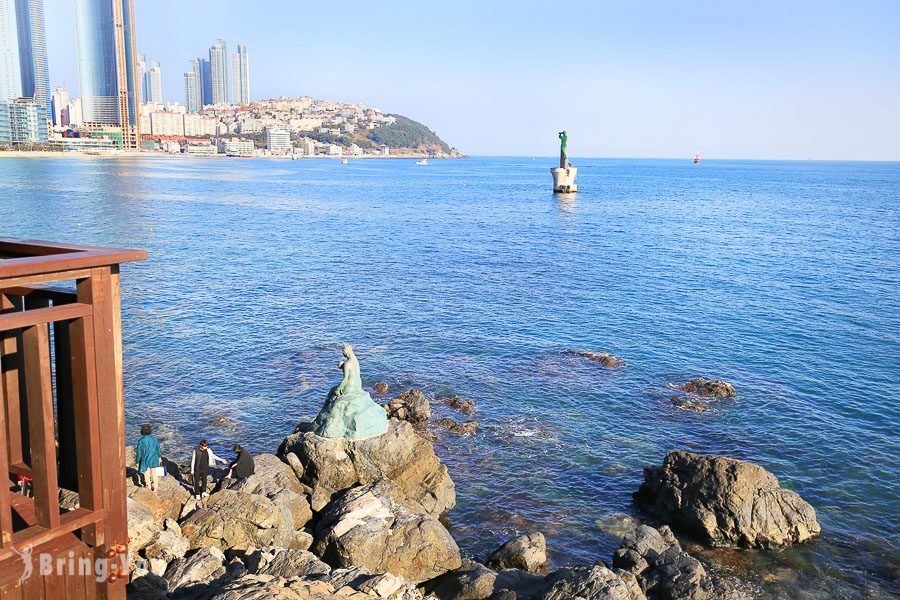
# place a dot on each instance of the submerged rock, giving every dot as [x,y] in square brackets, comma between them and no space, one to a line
[463,405]
[526,552]
[604,358]
[331,465]
[691,404]
[726,502]
[377,528]
[715,388]
[381,388]
[456,427]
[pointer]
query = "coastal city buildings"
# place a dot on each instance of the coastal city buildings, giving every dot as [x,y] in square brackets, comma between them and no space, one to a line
[59,102]
[24,80]
[142,76]
[278,139]
[240,74]
[193,98]
[107,68]
[218,61]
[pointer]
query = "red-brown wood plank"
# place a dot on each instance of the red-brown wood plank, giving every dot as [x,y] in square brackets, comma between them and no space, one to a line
[10,362]
[6,527]
[39,392]
[28,318]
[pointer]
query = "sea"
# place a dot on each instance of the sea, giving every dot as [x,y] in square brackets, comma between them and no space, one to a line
[470,278]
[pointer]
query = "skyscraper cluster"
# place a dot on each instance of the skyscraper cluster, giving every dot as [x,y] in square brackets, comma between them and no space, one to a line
[24,77]
[207,81]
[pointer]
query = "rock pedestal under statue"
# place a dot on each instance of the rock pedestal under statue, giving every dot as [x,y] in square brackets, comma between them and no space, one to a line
[349,410]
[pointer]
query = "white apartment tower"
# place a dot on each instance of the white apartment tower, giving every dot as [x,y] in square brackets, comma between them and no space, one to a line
[218,64]
[240,76]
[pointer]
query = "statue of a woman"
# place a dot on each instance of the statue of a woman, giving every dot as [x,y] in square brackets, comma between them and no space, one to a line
[563,149]
[352,381]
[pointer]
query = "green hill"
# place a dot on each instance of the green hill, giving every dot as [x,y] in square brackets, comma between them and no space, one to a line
[406,133]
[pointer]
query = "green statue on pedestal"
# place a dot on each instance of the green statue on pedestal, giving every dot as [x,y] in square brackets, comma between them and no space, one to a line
[349,411]
[563,156]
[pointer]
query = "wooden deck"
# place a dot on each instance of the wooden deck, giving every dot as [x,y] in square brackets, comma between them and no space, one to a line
[62,418]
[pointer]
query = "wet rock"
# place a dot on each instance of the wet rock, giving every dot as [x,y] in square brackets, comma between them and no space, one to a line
[715,388]
[238,520]
[381,388]
[472,581]
[410,406]
[401,455]
[527,552]
[690,404]
[377,528]
[604,358]
[463,405]
[456,427]
[726,502]
[192,574]
[593,583]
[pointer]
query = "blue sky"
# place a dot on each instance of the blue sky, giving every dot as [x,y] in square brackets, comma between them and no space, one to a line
[732,78]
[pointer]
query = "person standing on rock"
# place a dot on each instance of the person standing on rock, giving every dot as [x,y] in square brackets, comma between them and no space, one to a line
[147,456]
[243,466]
[200,461]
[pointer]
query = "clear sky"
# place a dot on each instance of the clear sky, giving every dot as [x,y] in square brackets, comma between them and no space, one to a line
[732,78]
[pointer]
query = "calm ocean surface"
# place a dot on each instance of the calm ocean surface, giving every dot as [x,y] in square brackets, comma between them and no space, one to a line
[468,277]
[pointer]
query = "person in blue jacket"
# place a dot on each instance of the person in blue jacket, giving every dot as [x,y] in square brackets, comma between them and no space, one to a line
[148,454]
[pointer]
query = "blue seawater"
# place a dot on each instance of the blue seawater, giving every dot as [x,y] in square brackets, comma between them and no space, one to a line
[468,277]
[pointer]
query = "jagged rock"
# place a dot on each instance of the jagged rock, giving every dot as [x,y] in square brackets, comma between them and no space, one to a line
[604,358]
[166,546]
[726,502]
[142,527]
[457,427]
[295,464]
[166,503]
[68,500]
[290,563]
[363,586]
[197,570]
[377,528]
[271,476]
[663,569]
[715,388]
[527,552]
[472,581]
[463,405]
[410,406]
[145,585]
[691,404]
[401,455]
[238,520]
[593,583]
[381,388]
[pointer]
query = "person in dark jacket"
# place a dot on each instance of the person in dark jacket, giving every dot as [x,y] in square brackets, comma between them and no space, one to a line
[201,460]
[243,466]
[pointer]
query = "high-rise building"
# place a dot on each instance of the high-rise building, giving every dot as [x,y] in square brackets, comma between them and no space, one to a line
[192,94]
[107,66]
[33,52]
[218,64]
[240,76]
[205,82]
[154,83]
[23,121]
[142,77]
[59,101]
[10,68]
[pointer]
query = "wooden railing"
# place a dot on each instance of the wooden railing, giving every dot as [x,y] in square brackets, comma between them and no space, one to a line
[61,393]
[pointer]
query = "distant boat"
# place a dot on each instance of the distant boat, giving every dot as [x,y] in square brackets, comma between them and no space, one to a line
[697,158]
[344,161]
[424,161]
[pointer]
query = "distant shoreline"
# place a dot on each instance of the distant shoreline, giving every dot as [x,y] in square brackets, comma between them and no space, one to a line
[133,154]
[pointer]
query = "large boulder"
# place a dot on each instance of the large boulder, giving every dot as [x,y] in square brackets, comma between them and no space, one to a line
[726,502]
[593,583]
[279,562]
[142,527]
[271,476]
[331,465]
[472,581]
[238,520]
[663,569]
[378,528]
[526,552]
[166,503]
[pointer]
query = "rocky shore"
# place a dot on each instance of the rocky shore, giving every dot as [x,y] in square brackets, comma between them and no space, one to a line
[339,518]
